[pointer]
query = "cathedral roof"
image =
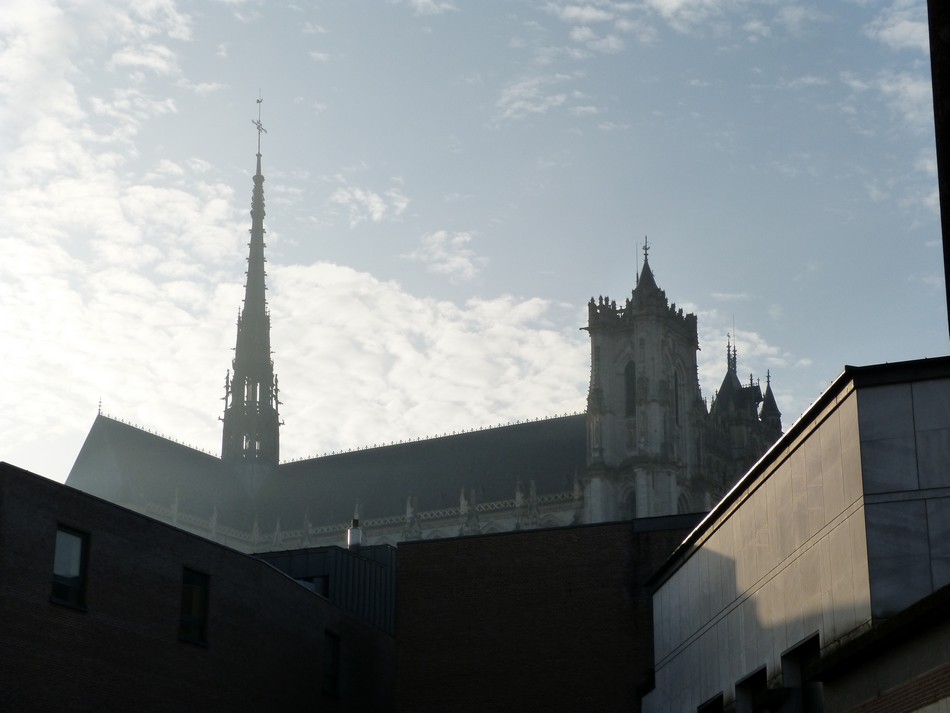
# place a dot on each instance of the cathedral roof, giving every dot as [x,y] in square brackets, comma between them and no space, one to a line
[433,472]
[769,405]
[646,281]
[131,466]
[733,396]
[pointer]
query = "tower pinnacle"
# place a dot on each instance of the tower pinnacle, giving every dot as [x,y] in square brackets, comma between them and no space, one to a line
[251,417]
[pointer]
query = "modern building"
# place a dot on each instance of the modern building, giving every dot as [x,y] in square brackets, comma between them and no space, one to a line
[104,609]
[820,582]
[647,446]
[554,619]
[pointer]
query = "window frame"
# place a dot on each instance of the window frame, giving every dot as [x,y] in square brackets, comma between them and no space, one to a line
[331,663]
[70,591]
[195,598]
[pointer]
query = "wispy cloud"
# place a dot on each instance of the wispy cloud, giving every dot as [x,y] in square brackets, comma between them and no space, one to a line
[427,7]
[155,57]
[607,44]
[363,204]
[449,254]
[398,366]
[903,25]
[582,14]
[910,96]
[532,95]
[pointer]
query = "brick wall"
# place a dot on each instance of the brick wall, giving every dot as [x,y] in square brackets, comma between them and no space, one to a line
[554,620]
[265,634]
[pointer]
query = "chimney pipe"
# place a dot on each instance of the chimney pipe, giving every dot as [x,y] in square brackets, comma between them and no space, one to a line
[354,537]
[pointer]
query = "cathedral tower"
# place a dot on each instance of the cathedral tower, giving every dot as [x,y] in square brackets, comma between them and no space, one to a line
[251,417]
[645,412]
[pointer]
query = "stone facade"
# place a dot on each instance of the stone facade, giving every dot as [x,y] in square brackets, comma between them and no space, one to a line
[653,448]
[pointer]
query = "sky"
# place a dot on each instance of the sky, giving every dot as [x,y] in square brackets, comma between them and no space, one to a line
[448,183]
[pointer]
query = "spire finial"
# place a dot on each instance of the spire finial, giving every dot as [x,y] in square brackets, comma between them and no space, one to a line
[258,124]
[646,248]
[637,279]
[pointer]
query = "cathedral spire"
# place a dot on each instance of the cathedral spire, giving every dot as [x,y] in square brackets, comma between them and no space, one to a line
[646,282]
[251,418]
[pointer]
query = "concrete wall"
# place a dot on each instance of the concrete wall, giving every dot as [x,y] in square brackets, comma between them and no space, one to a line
[844,525]
[265,633]
[905,461]
[786,560]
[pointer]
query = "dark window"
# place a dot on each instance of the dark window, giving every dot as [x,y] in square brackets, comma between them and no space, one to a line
[331,663]
[752,693]
[69,568]
[802,693]
[713,705]
[630,390]
[194,607]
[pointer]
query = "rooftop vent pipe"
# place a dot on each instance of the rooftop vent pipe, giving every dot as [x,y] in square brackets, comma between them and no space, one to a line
[354,537]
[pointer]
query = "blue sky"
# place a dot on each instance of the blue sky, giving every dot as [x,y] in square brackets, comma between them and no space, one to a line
[447,184]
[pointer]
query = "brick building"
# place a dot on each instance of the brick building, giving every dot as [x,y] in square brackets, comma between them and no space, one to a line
[553,619]
[102,609]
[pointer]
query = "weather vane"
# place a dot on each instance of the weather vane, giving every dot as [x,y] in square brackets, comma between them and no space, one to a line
[258,124]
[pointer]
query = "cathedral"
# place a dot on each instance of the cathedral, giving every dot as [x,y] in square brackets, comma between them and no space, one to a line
[648,445]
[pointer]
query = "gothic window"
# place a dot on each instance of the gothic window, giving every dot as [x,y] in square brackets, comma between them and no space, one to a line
[682,504]
[629,509]
[676,397]
[630,390]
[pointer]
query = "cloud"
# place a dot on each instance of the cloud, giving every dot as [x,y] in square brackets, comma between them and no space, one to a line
[391,366]
[363,204]
[684,15]
[155,57]
[809,80]
[202,89]
[608,44]
[581,14]
[796,19]
[903,25]
[910,96]
[585,110]
[448,253]
[530,96]
[427,7]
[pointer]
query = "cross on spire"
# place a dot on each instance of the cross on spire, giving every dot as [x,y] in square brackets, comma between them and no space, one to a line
[259,125]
